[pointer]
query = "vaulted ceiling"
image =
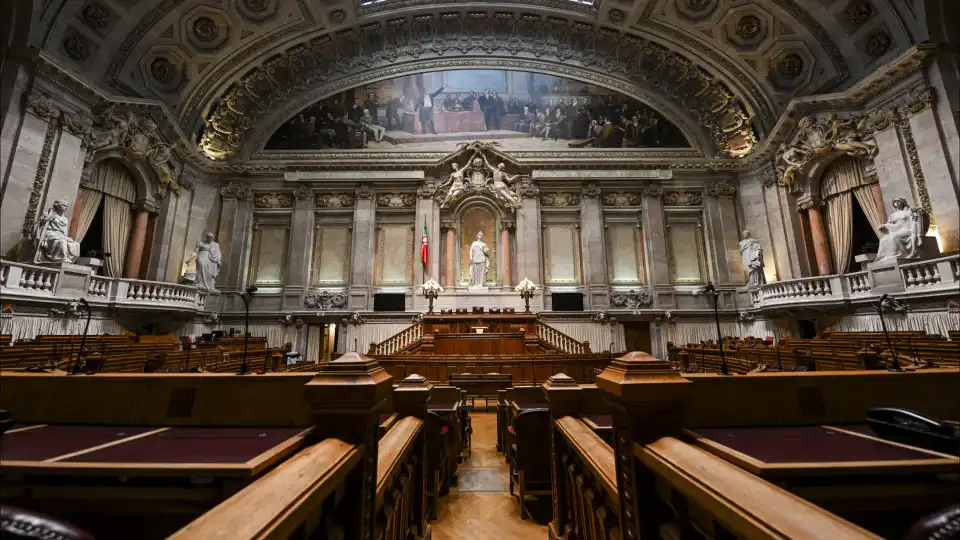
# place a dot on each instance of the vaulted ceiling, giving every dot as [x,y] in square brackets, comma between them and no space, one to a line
[239,68]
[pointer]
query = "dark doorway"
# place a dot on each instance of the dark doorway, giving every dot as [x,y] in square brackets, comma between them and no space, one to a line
[864,238]
[806,328]
[636,337]
[93,239]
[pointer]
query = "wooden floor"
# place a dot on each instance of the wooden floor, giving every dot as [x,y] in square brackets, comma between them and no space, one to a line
[481,507]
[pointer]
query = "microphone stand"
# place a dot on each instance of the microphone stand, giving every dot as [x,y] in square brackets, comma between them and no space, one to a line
[883,324]
[77,369]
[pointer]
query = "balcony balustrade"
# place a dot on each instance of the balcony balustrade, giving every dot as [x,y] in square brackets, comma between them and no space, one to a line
[20,281]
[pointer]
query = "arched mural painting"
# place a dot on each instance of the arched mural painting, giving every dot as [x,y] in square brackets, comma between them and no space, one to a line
[521,109]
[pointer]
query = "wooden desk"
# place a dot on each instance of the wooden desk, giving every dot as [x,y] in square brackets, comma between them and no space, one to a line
[444,408]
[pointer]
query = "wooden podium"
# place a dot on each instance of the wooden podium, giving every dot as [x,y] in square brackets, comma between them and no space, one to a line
[501,334]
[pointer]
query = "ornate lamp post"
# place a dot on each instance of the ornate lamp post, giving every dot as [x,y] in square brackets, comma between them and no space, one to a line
[710,290]
[888,303]
[526,288]
[431,290]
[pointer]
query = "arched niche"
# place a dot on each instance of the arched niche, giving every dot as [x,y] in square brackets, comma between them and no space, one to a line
[472,215]
[143,176]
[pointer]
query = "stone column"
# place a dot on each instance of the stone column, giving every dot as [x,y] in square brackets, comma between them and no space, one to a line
[345,399]
[506,226]
[594,248]
[807,241]
[364,243]
[529,233]
[450,254]
[818,235]
[726,235]
[235,227]
[655,224]
[138,237]
[25,177]
[878,198]
[930,166]
[301,244]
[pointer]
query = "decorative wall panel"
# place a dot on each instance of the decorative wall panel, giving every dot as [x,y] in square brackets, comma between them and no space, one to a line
[394,254]
[331,255]
[625,256]
[269,254]
[561,248]
[685,243]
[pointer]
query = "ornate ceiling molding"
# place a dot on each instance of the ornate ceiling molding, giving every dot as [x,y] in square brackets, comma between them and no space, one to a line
[384,49]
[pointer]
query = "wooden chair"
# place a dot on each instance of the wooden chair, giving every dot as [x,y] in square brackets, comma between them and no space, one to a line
[529,457]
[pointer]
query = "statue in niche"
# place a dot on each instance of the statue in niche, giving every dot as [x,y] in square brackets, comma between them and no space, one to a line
[479,259]
[751,255]
[501,184]
[207,257]
[456,185]
[903,233]
[49,238]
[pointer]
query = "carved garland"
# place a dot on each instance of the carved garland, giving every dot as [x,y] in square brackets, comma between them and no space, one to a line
[916,171]
[40,178]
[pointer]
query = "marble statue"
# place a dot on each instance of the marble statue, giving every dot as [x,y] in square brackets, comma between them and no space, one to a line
[207,256]
[50,241]
[751,255]
[479,258]
[456,185]
[902,233]
[501,184]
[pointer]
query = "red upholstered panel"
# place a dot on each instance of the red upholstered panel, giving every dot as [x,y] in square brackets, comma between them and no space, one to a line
[812,444]
[51,441]
[194,445]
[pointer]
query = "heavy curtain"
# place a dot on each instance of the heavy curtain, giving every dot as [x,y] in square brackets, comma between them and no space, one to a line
[26,327]
[600,336]
[931,323]
[116,233]
[876,214]
[116,185]
[89,204]
[841,181]
[314,342]
[839,216]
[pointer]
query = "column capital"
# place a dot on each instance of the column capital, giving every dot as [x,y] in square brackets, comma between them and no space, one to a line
[807,202]
[591,191]
[234,190]
[302,192]
[448,225]
[508,224]
[41,106]
[921,97]
[427,190]
[145,205]
[364,191]
[529,190]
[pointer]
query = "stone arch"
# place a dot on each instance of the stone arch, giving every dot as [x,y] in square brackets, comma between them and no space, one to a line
[723,103]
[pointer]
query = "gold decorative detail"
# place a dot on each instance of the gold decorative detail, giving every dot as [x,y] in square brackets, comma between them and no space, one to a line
[748,27]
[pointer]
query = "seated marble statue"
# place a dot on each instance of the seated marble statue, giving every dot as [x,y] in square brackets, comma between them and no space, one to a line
[902,235]
[50,241]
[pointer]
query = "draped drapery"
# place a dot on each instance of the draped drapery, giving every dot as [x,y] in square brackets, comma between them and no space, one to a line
[111,177]
[89,204]
[875,213]
[314,342]
[116,233]
[25,327]
[841,181]
[931,323]
[600,336]
[839,215]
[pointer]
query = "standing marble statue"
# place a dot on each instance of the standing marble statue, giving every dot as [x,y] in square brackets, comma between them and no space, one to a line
[207,257]
[479,257]
[49,238]
[751,255]
[902,235]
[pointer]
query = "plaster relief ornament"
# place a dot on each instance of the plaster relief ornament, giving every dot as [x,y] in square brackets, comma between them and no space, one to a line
[49,237]
[397,200]
[903,233]
[207,257]
[479,177]
[333,200]
[138,137]
[621,198]
[560,199]
[631,299]
[820,138]
[751,256]
[273,200]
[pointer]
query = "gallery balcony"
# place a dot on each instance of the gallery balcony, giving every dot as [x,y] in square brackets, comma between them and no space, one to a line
[27,283]
[918,279]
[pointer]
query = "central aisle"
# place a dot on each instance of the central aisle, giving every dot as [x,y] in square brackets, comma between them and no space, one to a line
[481,507]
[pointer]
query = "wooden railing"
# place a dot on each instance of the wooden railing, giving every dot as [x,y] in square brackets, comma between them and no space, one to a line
[350,483]
[652,484]
[560,341]
[399,341]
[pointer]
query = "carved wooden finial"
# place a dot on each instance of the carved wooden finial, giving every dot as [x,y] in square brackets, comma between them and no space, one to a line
[564,395]
[411,396]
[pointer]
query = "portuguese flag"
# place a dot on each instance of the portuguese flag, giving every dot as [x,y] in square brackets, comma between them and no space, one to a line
[424,246]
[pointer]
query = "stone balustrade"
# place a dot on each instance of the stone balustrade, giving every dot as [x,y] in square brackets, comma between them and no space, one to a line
[19,281]
[928,277]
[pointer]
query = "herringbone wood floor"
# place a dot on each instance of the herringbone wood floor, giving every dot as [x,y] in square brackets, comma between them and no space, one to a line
[481,507]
